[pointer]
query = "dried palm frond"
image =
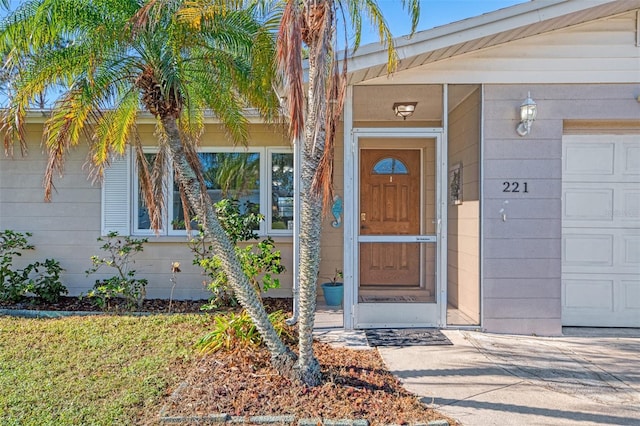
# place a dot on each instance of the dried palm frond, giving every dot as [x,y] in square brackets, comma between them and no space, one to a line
[12,126]
[152,185]
[336,90]
[289,58]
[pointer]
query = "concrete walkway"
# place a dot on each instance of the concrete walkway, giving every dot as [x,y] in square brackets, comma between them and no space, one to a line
[486,379]
[587,377]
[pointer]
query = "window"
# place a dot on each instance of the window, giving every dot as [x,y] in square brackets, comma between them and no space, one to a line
[142,221]
[281,191]
[261,179]
[234,175]
[390,166]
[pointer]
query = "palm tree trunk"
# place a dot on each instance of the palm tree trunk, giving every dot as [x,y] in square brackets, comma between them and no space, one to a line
[310,232]
[282,358]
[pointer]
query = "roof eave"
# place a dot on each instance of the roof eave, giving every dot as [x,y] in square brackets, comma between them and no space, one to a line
[370,60]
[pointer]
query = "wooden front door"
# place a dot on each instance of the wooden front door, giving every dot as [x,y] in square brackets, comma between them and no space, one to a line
[390,205]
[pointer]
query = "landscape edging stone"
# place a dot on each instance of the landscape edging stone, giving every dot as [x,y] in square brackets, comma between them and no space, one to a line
[280,420]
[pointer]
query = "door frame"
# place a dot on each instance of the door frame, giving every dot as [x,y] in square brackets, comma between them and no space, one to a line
[352,207]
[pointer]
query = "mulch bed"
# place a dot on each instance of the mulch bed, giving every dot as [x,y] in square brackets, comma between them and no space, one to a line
[158,306]
[356,386]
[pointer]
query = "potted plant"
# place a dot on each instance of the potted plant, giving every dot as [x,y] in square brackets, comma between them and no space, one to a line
[333,290]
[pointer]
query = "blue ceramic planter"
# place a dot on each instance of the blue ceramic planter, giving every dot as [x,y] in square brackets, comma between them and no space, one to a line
[333,293]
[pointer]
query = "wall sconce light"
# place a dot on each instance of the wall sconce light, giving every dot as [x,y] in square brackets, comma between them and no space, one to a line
[404,109]
[528,112]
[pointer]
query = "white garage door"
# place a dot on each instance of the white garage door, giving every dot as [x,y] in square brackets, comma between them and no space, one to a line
[601,230]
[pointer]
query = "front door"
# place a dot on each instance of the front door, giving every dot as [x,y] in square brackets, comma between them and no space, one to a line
[398,224]
[390,205]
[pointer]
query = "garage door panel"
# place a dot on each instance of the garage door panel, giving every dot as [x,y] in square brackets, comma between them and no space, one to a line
[615,159]
[604,204]
[601,231]
[589,294]
[601,250]
[631,294]
[601,301]
[630,206]
[594,318]
[581,250]
[595,159]
[582,204]
[631,158]
[631,251]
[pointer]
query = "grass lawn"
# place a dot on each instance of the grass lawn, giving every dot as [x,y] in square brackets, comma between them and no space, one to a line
[100,370]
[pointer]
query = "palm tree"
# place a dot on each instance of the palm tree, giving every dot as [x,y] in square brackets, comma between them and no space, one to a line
[314,117]
[126,56]
[163,56]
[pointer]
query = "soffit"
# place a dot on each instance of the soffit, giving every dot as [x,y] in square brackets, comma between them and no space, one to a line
[375,103]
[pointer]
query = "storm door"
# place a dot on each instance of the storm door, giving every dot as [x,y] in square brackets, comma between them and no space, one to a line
[398,222]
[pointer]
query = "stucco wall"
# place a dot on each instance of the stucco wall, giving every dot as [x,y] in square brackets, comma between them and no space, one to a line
[522,254]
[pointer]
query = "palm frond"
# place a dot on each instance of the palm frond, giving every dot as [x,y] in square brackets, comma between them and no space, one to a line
[376,18]
[289,60]
[13,121]
[112,132]
[192,120]
[336,91]
[319,24]
[63,129]
[151,182]
[413,6]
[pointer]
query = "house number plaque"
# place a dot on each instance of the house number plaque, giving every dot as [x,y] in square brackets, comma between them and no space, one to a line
[515,186]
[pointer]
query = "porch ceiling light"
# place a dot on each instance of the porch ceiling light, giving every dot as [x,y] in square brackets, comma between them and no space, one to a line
[528,112]
[404,109]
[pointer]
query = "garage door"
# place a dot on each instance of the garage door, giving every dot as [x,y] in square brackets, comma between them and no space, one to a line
[601,230]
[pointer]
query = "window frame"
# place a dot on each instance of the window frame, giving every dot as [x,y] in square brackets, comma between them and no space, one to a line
[265,195]
[269,216]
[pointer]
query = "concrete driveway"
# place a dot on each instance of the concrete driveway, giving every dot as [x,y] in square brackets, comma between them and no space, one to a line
[586,377]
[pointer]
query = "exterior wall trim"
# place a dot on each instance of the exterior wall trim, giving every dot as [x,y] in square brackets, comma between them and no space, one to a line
[481,197]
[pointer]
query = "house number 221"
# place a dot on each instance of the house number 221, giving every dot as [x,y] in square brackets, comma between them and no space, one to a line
[515,187]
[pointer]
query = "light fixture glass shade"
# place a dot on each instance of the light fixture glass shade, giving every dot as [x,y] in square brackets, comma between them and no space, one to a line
[404,109]
[528,109]
[528,113]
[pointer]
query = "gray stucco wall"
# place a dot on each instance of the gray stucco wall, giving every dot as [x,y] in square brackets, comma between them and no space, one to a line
[521,267]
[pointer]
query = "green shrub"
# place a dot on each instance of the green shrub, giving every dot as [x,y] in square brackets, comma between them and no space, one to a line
[260,262]
[39,279]
[124,285]
[236,331]
[46,285]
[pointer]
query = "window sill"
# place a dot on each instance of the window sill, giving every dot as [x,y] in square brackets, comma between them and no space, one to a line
[173,239]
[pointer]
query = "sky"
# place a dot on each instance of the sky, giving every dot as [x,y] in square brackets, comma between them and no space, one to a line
[433,13]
